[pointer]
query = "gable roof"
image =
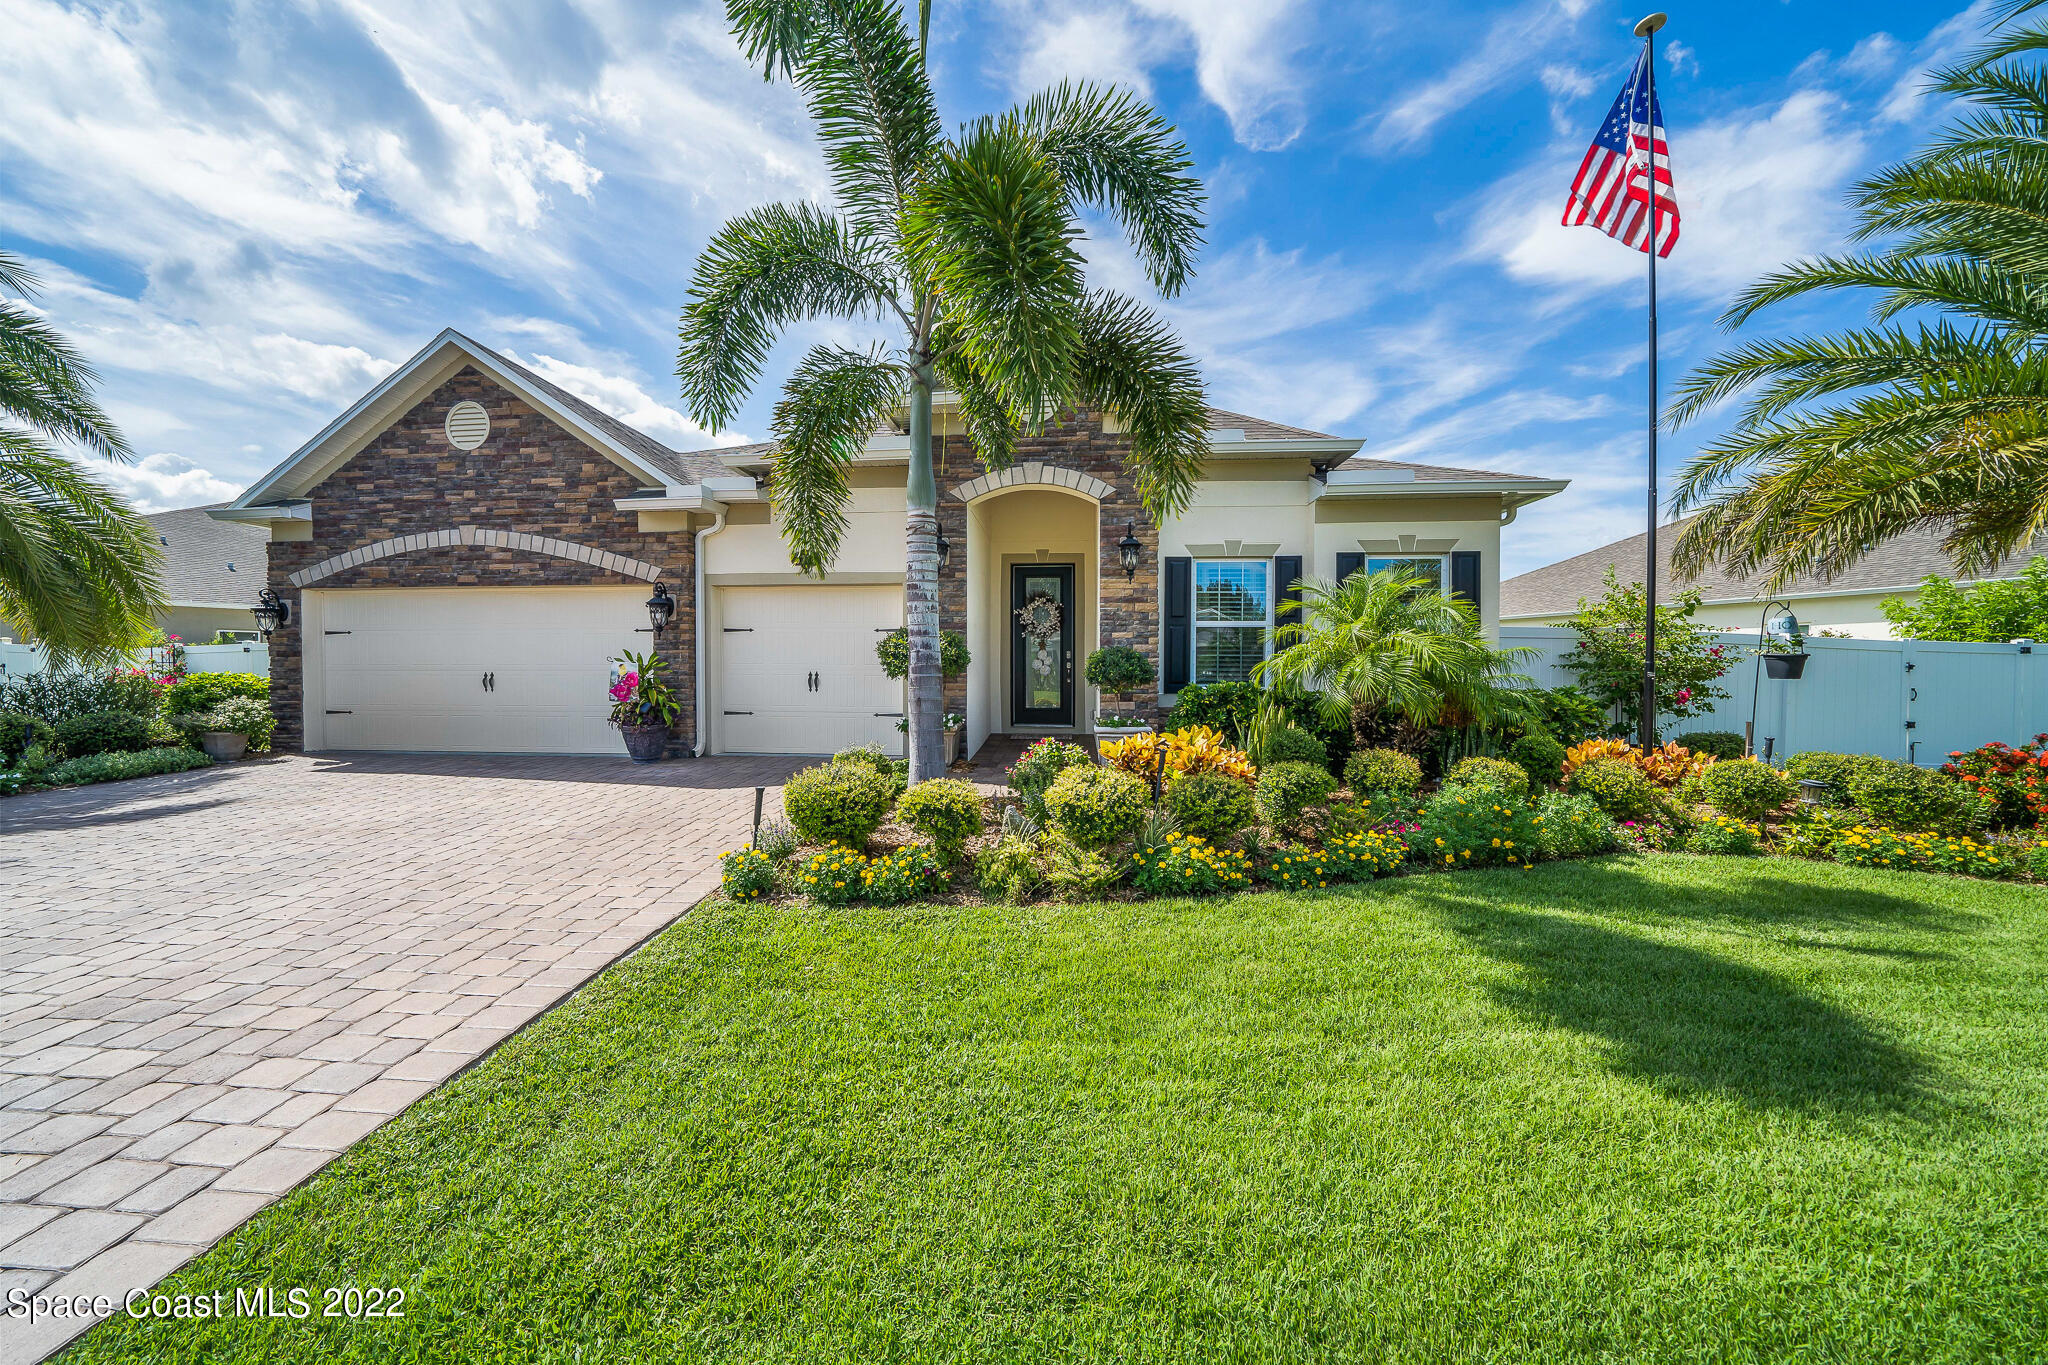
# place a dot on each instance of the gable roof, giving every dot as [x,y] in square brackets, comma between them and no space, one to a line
[1259,429]
[1441,472]
[1896,565]
[210,563]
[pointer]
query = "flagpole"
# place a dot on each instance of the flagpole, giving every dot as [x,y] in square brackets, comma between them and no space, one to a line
[1646,29]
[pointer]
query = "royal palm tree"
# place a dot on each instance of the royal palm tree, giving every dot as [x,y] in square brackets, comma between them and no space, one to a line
[966,245]
[1936,414]
[1391,644]
[78,567]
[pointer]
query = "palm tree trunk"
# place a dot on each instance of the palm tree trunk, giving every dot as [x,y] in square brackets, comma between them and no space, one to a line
[921,588]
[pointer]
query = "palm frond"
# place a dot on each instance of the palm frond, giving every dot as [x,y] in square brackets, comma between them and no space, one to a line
[766,269]
[833,402]
[989,423]
[47,386]
[1117,154]
[872,102]
[79,569]
[1130,363]
[16,276]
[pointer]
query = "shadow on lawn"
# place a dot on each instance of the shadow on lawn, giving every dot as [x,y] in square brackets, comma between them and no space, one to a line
[1747,892]
[1687,1020]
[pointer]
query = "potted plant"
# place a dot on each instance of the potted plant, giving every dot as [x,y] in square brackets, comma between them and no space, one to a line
[1789,662]
[230,729]
[893,650]
[954,726]
[1114,671]
[643,706]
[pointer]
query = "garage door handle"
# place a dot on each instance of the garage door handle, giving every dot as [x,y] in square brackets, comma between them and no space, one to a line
[337,632]
[739,713]
[739,630]
[897,714]
[341,713]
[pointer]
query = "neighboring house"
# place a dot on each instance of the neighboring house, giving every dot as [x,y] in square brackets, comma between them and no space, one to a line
[466,547]
[1849,603]
[212,571]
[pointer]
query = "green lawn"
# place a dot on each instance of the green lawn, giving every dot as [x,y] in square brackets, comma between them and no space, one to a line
[1670,1108]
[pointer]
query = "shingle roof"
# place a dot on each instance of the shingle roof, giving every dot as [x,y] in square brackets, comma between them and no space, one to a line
[221,563]
[1259,429]
[1899,562]
[684,466]
[1439,471]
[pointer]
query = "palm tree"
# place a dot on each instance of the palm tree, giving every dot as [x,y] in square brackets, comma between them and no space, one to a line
[78,567]
[966,245]
[1851,437]
[1390,643]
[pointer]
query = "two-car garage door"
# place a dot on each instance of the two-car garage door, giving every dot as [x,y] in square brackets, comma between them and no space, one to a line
[468,670]
[797,672]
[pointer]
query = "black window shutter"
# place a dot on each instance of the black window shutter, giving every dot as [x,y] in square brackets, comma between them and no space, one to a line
[1349,562]
[1465,576]
[1180,619]
[1286,569]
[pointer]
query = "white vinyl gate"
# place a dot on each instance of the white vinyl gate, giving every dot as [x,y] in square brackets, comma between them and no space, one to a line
[1917,700]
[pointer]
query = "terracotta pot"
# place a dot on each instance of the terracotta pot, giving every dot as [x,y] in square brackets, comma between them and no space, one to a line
[223,746]
[1785,665]
[645,743]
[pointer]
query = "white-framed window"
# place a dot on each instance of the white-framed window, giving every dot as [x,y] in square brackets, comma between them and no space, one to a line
[1436,569]
[1233,612]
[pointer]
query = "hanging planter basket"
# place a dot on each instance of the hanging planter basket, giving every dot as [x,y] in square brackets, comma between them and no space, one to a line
[1785,665]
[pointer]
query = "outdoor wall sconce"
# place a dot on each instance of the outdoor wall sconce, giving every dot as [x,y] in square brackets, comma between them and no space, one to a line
[271,613]
[1127,550]
[660,607]
[945,552]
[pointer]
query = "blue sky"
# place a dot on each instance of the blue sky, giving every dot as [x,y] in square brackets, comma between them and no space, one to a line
[247,214]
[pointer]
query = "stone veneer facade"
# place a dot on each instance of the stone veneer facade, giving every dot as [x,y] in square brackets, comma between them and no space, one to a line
[531,476]
[1128,609]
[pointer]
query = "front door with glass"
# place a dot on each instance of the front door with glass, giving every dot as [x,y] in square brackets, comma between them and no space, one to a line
[1042,644]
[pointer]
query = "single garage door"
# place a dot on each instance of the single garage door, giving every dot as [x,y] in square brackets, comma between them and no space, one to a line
[798,673]
[469,670]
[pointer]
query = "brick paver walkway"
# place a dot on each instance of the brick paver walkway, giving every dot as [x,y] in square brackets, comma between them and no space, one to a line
[212,983]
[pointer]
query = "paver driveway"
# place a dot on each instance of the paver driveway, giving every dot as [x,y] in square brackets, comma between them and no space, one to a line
[212,983]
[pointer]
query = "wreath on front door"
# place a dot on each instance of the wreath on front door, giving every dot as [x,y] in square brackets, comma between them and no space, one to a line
[1039,621]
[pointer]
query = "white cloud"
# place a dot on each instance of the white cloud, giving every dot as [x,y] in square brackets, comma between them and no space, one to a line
[1754,190]
[628,402]
[1567,81]
[1680,58]
[1244,59]
[1087,45]
[1501,57]
[1948,40]
[159,482]
[1876,55]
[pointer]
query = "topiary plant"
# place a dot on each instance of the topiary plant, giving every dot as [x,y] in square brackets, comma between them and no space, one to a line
[897,770]
[841,802]
[1117,669]
[1286,792]
[1540,756]
[946,811]
[1721,744]
[102,732]
[1095,807]
[1745,788]
[1624,792]
[1496,773]
[1386,772]
[1210,805]
[893,650]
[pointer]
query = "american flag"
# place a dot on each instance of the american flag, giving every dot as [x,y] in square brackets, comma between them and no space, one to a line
[1610,192]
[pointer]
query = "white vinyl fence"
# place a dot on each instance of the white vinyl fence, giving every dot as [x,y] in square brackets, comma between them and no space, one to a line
[1916,700]
[19,660]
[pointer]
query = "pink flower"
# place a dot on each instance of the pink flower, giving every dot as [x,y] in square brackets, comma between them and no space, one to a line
[625,686]
[1684,695]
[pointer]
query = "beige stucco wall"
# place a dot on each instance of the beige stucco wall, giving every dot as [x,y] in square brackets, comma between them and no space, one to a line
[1857,614]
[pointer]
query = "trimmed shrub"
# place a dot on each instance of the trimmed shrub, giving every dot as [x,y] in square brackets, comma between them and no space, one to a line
[1189,865]
[18,731]
[57,694]
[1116,669]
[203,691]
[1361,855]
[1624,792]
[1496,773]
[1286,791]
[1039,767]
[1570,826]
[1540,756]
[1008,868]
[840,802]
[1721,744]
[102,732]
[1382,771]
[1724,834]
[946,811]
[1816,765]
[903,875]
[1210,805]
[897,770]
[1294,868]
[832,875]
[117,767]
[1225,707]
[1908,798]
[1290,744]
[1476,827]
[746,874]
[1095,807]
[244,716]
[1745,788]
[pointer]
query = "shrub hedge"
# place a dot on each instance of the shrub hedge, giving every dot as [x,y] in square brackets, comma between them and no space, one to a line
[1745,788]
[1286,791]
[1497,773]
[946,811]
[103,732]
[1095,807]
[1540,756]
[1209,805]
[116,767]
[840,802]
[1387,771]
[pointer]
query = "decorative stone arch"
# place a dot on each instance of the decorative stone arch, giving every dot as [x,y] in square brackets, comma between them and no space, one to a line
[477,535]
[1031,473]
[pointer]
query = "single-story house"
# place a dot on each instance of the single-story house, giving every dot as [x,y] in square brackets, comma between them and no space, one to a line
[1849,603]
[212,571]
[465,548]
